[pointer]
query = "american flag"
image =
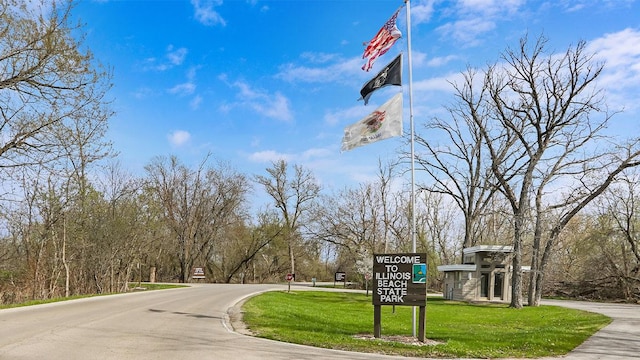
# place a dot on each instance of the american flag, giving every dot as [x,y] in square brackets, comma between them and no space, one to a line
[382,42]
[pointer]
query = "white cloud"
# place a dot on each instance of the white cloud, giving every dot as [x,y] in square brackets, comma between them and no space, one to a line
[490,7]
[473,18]
[143,93]
[620,52]
[269,156]
[188,87]
[439,84]
[318,57]
[421,12]
[418,58]
[442,60]
[177,56]
[173,57]
[335,72]
[179,138]
[183,89]
[275,106]
[467,31]
[194,104]
[348,115]
[205,13]
[316,153]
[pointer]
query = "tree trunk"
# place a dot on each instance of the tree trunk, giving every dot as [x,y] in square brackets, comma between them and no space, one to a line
[152,274]
[516,279]
[293,260]
[516,289]
[64,258]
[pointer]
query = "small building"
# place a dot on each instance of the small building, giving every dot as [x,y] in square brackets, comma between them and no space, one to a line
[485,274]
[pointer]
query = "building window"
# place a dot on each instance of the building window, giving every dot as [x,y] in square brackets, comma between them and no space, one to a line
[498,284]
[456,279]
[484,285]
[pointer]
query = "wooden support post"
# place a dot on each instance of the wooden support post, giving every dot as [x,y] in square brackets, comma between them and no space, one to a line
[377,319]
[421,320]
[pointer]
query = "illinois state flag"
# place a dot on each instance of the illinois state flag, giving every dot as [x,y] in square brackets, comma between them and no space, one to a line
[389,75]
[383,123]
[382,42]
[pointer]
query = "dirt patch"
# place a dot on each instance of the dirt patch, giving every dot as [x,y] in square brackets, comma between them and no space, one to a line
[408,340]
[235,320]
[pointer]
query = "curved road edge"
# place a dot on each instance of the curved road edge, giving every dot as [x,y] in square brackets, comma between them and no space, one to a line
[620,340]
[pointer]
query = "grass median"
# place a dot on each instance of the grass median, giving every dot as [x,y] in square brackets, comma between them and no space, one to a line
[341,320]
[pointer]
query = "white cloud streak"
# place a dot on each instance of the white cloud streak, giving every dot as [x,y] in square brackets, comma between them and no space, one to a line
[205,13]
[620,52]
[272,105]
[179,138]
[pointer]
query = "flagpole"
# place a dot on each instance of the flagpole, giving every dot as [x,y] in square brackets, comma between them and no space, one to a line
[413,170]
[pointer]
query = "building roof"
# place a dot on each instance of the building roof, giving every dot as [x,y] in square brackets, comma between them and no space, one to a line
[470,267]
[488,248]
[458,267]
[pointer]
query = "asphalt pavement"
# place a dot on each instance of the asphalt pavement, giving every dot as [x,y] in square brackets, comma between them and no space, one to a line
[194,324]
[617,341]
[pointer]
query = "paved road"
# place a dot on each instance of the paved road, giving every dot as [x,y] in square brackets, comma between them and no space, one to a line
[192,323]
[184,324]
[620,340]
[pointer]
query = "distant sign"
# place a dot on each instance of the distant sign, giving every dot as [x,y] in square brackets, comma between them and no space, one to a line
[289,277]
[340,276]
[198,273]
[400,279]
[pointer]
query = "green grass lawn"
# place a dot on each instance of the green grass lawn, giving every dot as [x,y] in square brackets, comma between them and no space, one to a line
[332,319]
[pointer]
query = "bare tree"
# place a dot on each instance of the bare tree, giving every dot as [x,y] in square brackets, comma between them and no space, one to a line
[621,205]
[624,207]
[386,174]
[535,117]
[244,244]
[459,167]
[293,194]
[53,117]
[361,219]
[46,82]
[351,220]
[436,219]
[198,205]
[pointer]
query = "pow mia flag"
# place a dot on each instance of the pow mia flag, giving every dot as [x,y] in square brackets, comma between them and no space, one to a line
[391,74]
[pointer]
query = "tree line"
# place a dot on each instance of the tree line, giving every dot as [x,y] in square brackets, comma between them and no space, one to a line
[521,159]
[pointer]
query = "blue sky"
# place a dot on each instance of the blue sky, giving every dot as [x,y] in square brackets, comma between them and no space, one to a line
[254,81]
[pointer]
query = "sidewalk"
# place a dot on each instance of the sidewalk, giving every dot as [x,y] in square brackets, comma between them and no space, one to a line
[619,340]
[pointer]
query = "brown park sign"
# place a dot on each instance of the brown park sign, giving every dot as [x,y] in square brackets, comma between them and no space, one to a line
[198,273]
[400,279]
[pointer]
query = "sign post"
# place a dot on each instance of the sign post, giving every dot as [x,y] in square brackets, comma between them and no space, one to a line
[399,279]
[340,276]
[289,278]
